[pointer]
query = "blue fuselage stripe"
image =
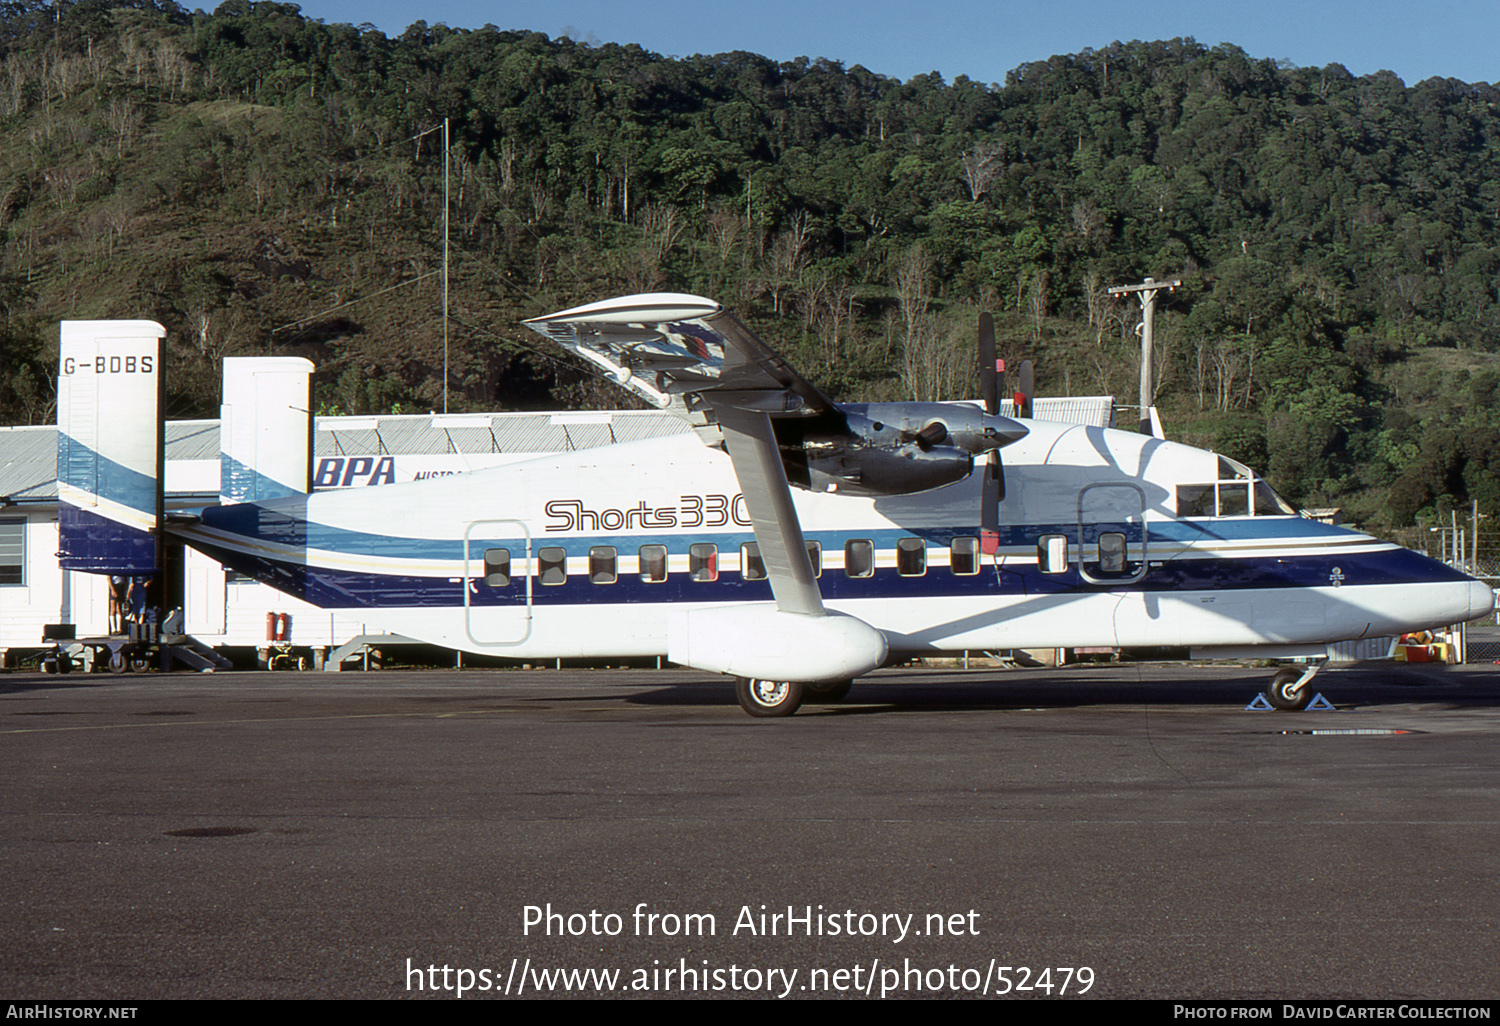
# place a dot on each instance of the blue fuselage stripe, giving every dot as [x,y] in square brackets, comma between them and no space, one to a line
[333,588]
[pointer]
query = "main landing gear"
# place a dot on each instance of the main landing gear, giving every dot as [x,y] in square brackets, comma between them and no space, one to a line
[830,693]
[1290,688]
[763,698]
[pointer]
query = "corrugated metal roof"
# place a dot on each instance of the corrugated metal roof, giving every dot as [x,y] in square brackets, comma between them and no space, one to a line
[28,455]
[1092,410]
[28,463]
[192,439]
[430,434]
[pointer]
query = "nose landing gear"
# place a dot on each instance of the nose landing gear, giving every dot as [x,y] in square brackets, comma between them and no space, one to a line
[1290,688]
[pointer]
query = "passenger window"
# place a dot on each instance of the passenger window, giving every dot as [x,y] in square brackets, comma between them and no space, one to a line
[552,565]
[752,567]
[859,558]
[703,561]
[963,556]
[911,557]
[653,563]
[1112,553]
[496,568]
[602,564]
[1052,553]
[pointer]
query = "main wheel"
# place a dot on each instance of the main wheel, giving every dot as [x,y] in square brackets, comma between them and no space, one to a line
[1284,692]
[826,694]
[768,697]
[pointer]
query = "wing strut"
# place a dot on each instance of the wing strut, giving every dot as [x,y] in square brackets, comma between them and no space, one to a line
[768,497]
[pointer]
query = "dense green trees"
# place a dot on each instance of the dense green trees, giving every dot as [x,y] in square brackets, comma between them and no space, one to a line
[262,182]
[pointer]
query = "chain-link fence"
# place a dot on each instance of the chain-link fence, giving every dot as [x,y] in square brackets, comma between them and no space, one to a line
[1459,546]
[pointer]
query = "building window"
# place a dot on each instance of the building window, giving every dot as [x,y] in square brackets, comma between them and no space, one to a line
[12,551]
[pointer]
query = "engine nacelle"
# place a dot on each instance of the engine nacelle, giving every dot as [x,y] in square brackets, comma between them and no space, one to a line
[763,642]
[890,448]
[898,471]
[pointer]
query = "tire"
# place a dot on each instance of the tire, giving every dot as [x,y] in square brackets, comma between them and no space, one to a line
[1283,693]
[765,698]
[64,664]
[827,694]
[118,662]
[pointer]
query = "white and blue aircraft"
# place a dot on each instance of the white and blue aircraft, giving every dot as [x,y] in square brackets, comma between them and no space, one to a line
[790,541]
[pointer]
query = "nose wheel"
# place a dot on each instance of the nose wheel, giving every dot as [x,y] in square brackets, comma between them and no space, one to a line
[1290,689]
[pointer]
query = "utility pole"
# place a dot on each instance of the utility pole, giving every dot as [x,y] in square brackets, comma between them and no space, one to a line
[1474,540]
[445,265]
[1146,291]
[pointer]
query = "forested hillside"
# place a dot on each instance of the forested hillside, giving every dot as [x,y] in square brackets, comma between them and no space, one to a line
[260,182]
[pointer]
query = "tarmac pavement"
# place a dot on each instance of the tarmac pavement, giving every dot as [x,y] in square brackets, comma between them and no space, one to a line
[408,834]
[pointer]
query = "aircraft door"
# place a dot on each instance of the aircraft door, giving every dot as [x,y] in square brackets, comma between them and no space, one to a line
[1112,533]
[497,582]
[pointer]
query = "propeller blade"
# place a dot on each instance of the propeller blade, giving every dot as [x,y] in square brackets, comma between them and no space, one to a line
[992,485]
[1027,386]
[991,493]
[991,369]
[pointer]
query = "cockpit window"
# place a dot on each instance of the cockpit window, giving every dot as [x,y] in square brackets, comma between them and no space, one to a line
[1237,493]
[1269,504]
[1229,470]
[1195,500]
[1234,498]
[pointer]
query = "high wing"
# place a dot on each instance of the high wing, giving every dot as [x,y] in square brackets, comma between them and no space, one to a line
[667,347]
[688,353]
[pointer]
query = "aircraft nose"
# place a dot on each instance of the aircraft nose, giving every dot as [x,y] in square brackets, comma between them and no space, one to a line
[1481,599]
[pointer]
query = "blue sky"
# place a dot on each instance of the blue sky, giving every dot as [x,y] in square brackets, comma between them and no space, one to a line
[984,40]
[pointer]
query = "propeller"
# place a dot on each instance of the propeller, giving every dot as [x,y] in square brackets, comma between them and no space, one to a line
[992,490]
[1022,398]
